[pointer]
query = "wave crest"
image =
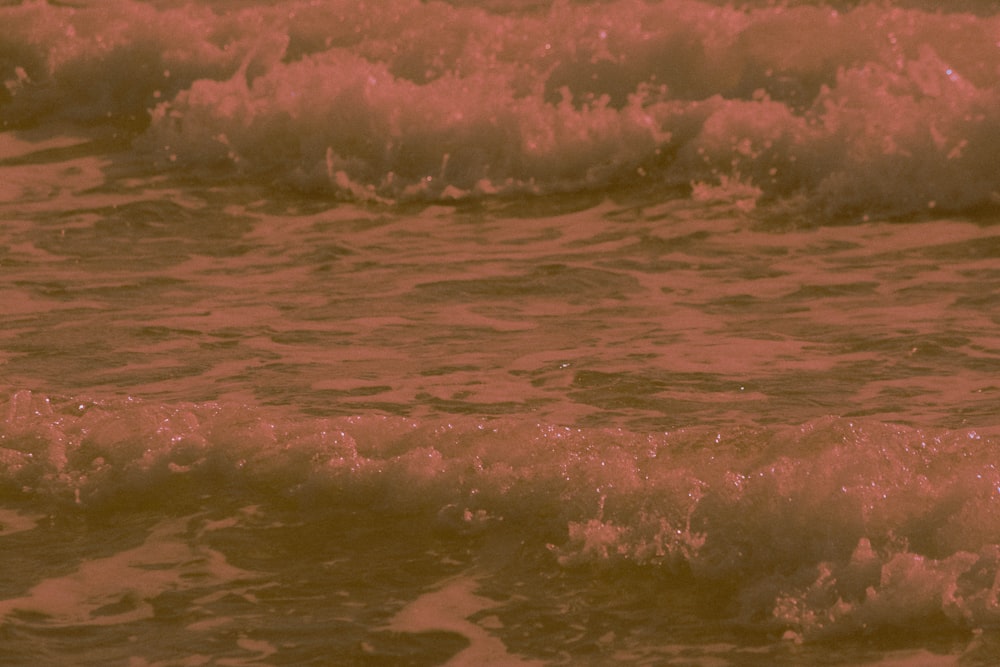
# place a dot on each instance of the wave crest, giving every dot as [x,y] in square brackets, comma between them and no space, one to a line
[876,111]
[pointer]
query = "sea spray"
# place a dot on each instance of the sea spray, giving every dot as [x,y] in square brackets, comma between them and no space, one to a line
[853,112]
[835,526]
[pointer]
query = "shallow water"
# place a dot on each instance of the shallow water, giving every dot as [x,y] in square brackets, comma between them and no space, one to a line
[640,333]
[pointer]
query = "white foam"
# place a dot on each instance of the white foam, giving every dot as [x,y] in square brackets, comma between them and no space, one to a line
[830,528]
[447,609]
[869,111]
[119,588]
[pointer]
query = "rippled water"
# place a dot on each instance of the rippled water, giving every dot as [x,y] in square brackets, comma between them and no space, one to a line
[593,312]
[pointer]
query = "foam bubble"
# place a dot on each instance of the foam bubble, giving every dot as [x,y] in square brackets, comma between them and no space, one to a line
[835,527]
[874,110]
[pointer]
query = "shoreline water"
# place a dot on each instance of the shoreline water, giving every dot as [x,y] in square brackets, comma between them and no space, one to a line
[543,333]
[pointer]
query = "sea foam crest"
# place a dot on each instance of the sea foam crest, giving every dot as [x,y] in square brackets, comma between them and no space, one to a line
[874,110]
[828,528]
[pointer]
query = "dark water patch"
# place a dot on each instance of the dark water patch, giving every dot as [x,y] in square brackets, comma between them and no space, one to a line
[752,308]
[423,649]
[811,292]
[574,284]
[311,337]
[965,251]
[456,405]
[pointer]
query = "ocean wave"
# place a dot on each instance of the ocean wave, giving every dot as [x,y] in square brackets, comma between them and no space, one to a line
[869,110]
[828,528]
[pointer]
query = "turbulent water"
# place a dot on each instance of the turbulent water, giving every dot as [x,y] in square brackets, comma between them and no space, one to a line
[499,333]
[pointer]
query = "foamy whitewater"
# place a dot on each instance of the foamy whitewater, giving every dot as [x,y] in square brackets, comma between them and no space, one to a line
[499,333]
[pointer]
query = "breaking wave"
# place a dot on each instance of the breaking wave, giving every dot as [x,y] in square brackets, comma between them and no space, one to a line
[829,528]
[858,111]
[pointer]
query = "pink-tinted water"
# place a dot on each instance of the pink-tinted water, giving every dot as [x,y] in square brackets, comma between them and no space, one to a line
[424,333]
